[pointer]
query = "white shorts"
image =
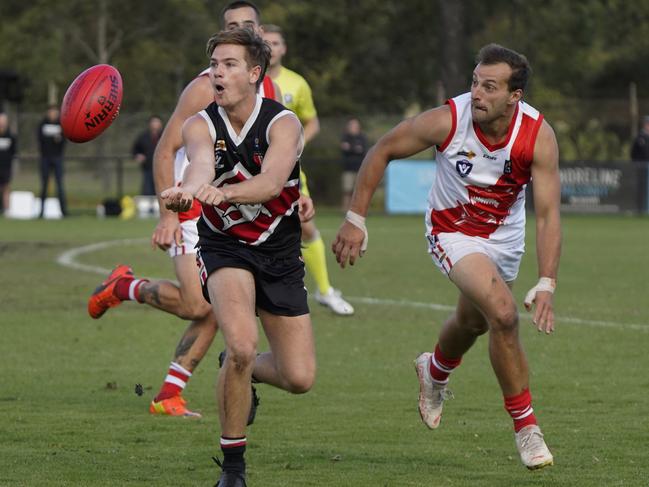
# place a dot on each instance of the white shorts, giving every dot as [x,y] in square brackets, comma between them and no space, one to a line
[189,239]
[447,249]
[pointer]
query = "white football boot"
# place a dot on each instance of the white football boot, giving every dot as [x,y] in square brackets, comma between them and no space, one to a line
[531,445]
[431,394]
[333,299]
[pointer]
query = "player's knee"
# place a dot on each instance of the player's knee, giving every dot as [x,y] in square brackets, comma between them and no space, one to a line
[505,321]
[242,355]
[300,381]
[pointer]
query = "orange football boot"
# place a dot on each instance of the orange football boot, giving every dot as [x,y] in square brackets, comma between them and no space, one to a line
[104,296]
[172,406]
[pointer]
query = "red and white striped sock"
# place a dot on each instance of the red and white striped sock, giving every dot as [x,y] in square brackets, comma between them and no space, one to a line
[441,366]
[128,289]
[520,409]
[175,382]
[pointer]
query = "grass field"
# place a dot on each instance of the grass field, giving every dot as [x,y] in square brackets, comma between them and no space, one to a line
[69,414]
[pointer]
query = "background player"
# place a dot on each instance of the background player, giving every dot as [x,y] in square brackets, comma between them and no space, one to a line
[244,152]
[490,143]
[296,94]
[177,234]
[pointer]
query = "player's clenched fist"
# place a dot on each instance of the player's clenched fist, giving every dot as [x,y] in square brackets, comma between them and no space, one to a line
[210,195]
[177,199]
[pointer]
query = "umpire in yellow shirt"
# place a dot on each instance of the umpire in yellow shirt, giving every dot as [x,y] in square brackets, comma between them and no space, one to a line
[296,94]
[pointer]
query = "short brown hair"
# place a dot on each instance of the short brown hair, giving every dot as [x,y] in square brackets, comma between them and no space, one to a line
[521,69]
[273,29]
[257,51]
[240,4]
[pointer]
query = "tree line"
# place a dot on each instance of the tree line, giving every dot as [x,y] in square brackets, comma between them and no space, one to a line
[367,57]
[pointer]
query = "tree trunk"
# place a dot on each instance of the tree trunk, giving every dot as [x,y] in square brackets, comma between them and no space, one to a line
[452,33]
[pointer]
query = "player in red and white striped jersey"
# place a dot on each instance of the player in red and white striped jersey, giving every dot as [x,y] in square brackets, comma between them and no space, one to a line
[490,144]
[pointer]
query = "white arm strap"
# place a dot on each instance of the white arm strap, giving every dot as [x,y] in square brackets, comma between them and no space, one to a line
[359,222]
[545,284]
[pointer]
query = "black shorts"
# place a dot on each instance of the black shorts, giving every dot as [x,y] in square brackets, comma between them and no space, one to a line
[279,280]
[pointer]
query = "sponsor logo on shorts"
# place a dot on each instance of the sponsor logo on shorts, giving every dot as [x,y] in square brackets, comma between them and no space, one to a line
[463,168]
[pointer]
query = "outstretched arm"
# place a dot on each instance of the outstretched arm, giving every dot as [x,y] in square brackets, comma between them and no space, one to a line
[284,147]
[547,200]
[196,96]
[199,174]
[406,139]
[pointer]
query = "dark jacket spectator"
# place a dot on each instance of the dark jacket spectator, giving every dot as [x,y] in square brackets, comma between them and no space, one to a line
[353,146]
[7,153]
[640,148]
[143,150]
[52,143]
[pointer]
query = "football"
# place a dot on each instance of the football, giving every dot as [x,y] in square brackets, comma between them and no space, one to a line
[91,103]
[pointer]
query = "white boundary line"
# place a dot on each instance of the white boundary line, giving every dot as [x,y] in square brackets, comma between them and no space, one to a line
[69,259]
[445,307]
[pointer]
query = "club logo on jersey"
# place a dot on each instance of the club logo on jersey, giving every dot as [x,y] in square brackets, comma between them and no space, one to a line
[218,162]
[220,145]
[463,168]
[470,154]
[237,213]
[508,167]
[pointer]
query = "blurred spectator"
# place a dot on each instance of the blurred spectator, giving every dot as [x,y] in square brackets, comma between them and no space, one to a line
[7,152]
[143,150]
[640,149]
[51,144]
[353,146]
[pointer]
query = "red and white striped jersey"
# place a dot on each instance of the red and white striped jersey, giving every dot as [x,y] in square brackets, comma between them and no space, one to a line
[266,90]
[479,189]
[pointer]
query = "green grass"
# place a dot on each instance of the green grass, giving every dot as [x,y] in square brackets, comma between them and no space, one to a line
[61,425]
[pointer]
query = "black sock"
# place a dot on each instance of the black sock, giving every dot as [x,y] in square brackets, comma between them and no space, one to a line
[233,450]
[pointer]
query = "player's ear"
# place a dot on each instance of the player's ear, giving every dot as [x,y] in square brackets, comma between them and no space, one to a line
[255,73]
[516,96]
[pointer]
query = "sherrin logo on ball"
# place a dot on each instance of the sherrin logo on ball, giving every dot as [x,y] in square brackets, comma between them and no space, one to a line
[91,103]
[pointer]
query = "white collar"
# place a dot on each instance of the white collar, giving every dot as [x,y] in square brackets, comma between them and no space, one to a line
[237,139]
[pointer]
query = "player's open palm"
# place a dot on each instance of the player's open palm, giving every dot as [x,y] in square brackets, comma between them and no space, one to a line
[177,199]
[543,311]
[347,245]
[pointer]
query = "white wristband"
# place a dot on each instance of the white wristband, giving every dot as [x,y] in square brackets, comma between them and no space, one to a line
[545,284]
[359,222]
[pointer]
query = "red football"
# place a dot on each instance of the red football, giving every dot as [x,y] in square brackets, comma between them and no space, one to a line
[91,103]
